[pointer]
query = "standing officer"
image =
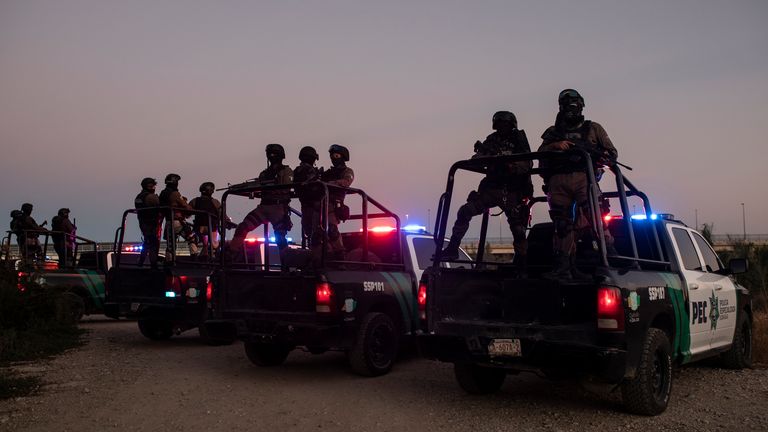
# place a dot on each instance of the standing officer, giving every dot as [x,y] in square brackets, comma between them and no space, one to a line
[63,237]
[565,178]
[307,172]
[16,217]
[177,225]
[29,232]
[338,175]
[506,185]
[273,207]
[149,221]
[207,203]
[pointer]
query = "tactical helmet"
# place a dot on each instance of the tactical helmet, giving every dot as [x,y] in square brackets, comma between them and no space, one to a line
[504,117]
[568,95]
[16,213]
[26,208]
[147,181]
[308,155]
[207,188]
[275,150]
[63,212]
[340,149]
[172,179]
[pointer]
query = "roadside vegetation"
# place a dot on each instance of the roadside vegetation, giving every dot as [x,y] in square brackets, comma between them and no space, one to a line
[34,323]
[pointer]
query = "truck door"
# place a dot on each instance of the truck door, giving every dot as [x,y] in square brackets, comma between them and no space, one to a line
[699,285]
[722,315]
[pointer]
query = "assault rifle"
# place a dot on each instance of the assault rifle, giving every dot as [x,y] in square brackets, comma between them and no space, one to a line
[248,183]
[597,153]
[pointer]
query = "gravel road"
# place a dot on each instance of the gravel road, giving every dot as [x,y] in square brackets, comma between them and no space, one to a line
[121,381]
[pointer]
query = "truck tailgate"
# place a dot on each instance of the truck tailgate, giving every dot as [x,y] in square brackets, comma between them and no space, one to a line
[247,292]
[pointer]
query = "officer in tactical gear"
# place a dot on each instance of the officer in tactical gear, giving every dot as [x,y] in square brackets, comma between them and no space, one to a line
[566,181]
[307,172]
[338,175]
[273,207]
[29,230]
[506,185]
[16,217]
[63,236]
[177,225]
[207,203]
[150,221]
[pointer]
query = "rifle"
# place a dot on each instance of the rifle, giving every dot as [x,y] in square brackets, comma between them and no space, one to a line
[248,183]
[598,153]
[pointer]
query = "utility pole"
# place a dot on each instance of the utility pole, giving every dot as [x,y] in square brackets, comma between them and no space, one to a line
[744,221]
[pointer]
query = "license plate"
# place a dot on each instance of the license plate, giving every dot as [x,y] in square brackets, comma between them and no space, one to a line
[135,307]
[504,348]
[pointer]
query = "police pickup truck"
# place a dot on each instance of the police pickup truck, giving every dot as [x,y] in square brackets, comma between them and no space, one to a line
[661,299]
[364,305]
[169,299]
[83,282]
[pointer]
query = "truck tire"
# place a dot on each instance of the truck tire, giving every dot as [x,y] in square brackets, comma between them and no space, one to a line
[265,354]
[156,329]
[648,393]
[479,380]
[740,354]
[375,348]
[71,308]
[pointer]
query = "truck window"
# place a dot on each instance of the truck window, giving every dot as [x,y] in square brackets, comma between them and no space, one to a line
[687,251]
[710,257]
[425,248]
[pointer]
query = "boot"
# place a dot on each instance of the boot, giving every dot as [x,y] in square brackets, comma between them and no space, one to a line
[451,252]
[562,269]
[575,272]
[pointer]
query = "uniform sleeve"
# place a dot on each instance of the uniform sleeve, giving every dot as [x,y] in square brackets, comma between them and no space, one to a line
[346,180]
[604,141]
[152,200]
[285,176]
[216,203]
[67,226]
[178,201]
[548,138]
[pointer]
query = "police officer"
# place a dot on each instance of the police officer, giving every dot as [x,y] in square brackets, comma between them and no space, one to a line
[149,221]
[273,207]
[63,236]
[29,230]
[506,185]
[206,203]
[307,172]
[16,216]
[177,225]
[338,175]
[566,180]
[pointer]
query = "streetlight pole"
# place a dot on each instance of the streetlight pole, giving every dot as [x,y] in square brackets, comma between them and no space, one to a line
[744,221]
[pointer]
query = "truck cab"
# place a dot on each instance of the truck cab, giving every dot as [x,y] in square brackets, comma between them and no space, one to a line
[655,301]
[363,304]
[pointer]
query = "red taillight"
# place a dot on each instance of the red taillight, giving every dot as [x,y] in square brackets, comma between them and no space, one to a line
[323,294]
[421,299]
[173,283]
[610,309]
[209,291]
[20,281]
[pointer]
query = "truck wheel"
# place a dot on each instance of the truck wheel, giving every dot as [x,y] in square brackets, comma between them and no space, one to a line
[265,354]
[375,348]
[72,308]
[479,380]
[648,393]
[740,354]
[156,330]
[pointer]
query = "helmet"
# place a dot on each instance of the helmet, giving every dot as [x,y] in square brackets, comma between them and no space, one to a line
[63,212]
[172,179]
[26,208]
[569,95]
[147,181]
[275,151]
[207,188]
[308,155]
[502,118]
[16,213]
[340,149]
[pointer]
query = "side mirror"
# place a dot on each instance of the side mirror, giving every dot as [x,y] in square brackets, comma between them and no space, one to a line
[738,266]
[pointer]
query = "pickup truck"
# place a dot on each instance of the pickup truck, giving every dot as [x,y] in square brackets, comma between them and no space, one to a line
[364,305]
[169,299]
[661,299]
[84,281]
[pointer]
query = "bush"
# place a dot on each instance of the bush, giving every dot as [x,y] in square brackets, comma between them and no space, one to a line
[760,337]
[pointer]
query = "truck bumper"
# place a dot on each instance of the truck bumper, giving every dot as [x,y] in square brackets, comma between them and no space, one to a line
[537,353]
[287,332]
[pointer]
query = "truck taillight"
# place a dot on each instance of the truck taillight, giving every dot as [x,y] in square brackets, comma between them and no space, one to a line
[209,291]
[610,310]
[172,286]
[421,299]
[20,281]
[323,295]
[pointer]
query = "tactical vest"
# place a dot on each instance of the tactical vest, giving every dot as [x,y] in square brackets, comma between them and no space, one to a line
[56,223]
[146,217]
[571,163]
[270,176]
[205,203]
[335,195]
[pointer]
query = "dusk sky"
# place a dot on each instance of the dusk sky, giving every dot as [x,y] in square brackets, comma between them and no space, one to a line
[95,95]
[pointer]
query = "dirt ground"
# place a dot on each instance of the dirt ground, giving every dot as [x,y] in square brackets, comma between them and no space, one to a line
[121,381]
